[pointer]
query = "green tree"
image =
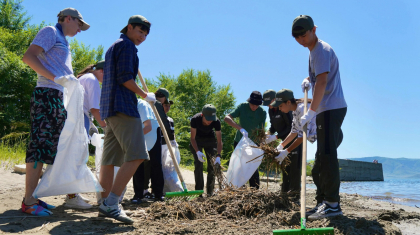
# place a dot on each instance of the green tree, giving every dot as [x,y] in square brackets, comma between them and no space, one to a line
[190,91]
[83,55]
[12,15]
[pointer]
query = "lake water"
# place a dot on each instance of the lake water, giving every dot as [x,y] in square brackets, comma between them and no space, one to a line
[400,191]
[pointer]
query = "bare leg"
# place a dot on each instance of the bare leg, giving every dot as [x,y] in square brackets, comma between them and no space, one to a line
[106,177]
[32,178]
[124,175]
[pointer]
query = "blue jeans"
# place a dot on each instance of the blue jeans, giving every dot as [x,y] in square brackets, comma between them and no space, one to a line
[87,124]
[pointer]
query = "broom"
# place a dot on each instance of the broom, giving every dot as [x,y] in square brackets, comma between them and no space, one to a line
[173,195]
[303,230]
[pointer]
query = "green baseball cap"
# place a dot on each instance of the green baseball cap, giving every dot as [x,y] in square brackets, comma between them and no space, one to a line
[165,93]
[302,24]
[209,112]
[268,96]
[100,65]
[74,13]
[136,19]
[282,95]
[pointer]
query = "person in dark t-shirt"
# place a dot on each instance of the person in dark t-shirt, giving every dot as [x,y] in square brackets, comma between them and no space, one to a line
[204,125]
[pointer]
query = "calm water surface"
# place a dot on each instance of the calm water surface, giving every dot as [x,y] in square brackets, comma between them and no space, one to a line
[400,191]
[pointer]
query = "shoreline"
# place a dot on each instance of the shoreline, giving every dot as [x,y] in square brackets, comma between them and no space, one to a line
[362,215]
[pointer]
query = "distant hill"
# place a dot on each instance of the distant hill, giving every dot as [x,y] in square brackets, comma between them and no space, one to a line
[396,167]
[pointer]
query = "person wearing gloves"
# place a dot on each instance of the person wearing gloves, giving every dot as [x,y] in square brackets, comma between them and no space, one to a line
[203,127]
[282,124]
[149,169]
[330,108]
[124,143]
[89,78]
[251,116]
[50,57]
[166,108]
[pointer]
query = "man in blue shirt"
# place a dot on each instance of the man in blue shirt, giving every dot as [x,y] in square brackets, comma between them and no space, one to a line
[124,143]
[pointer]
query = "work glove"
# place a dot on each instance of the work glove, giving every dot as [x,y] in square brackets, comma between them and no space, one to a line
[307,117]
[270,138]
[63,80]
[280,147]
[200,156]
[244,132]
[150,97]
[282,155]
[217,161]
[93,129]
[305,84]
[174,144]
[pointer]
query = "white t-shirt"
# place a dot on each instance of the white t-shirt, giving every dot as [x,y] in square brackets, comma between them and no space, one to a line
[146,113]
[92,94]
[297,128]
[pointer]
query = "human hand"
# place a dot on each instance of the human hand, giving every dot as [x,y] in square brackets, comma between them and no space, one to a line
[200,156]
[150,97]
[244,132]
[63,80]
[174,144]
[280,147]
[270,138]
[217,161]
[282,156]
[305,84]
[307,117]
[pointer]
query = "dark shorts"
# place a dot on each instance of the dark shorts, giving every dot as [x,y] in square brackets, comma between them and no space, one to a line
[48,116]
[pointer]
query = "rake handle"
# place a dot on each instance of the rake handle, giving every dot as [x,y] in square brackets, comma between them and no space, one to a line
[304,156]
[165,134]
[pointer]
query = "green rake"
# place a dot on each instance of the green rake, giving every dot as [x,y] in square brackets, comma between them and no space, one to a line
[173,196]
[303,230]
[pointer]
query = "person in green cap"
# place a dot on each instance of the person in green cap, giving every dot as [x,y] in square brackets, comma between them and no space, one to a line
[251,116]
[124,143]
[204,126]
[281,123]
[49,56]
[330,108]
[162,97]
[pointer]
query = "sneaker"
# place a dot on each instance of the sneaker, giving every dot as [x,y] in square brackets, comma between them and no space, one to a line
[136,200]
[116,212]
[83,198]
[127,213]
[326,210]
[35,209]
[313,210]
[149,196]
[76,203]
[159,199]
[45,205]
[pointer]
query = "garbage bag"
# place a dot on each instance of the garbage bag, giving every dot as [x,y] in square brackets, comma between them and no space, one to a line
[69,173]
[98,141]
[172,182]
[239,171]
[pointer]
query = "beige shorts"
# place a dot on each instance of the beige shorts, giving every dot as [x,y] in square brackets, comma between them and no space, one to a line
[124,140]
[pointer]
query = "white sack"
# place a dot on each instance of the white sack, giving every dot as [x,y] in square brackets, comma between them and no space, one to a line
[172,182]
[239,172]
[70,174]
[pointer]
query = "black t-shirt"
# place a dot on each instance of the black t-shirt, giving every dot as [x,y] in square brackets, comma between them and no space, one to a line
[280,122]
[202,130]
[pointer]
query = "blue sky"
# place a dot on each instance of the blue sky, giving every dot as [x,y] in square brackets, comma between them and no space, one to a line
[248,44]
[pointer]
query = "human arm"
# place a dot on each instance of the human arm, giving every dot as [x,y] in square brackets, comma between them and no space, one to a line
[132,86]
[96,114]
[219,142]
[192,139]
[288,139]
[229,120]
[319,90]
[31,59]
[147,126]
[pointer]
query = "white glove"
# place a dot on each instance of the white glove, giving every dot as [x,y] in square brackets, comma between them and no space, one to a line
[150,97]
[200,156]
[282,155]
[244,132]
[93,129]
[217,161]
[307,117]
[270,138]
[63,80]
[305,84]
[280,147]
[174,144]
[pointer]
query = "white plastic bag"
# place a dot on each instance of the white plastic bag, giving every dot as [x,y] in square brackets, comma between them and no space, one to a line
[239,171]
[172,182]
[69,173]
[98,142]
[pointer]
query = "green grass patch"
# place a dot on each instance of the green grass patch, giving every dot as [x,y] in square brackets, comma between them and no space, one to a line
[12,153]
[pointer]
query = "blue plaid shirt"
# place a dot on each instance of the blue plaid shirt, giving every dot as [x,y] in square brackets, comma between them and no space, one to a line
[121,65]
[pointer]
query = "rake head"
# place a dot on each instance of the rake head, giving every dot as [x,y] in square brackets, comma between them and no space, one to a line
[183,196]
[310,231]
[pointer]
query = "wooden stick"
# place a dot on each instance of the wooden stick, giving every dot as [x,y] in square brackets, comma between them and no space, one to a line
[303,179]
[165,135]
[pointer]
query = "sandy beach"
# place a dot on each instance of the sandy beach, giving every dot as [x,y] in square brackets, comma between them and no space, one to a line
[362,215]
